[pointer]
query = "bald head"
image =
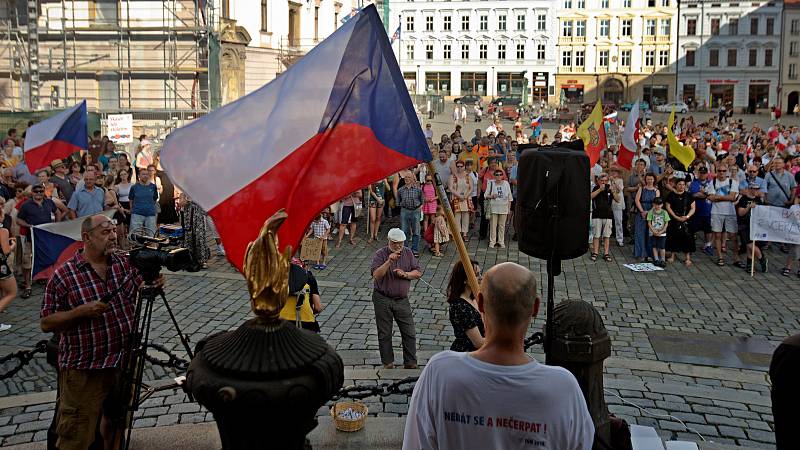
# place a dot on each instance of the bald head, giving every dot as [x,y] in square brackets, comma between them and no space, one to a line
[509,295]
[91,222]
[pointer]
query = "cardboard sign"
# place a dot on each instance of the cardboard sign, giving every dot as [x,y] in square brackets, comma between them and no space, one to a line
[311,249]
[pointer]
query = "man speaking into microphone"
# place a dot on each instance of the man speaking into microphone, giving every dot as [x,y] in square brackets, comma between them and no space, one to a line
[94,335]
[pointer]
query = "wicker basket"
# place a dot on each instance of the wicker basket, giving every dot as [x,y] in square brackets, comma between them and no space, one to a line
[349,424]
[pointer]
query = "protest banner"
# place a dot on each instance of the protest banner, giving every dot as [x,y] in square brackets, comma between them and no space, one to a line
[120,128]
[774,224]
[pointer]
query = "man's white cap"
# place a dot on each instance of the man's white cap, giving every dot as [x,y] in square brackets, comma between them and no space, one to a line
[397,235]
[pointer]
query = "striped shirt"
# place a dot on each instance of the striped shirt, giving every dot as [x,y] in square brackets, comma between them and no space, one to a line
[96,343]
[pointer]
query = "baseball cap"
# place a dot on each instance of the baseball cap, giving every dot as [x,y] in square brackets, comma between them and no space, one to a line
[703,169]
[396,235]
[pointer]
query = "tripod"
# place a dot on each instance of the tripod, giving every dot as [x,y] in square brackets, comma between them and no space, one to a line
[133,366]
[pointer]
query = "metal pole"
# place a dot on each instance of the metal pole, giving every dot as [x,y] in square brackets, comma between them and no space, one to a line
[64,43]
[678,51]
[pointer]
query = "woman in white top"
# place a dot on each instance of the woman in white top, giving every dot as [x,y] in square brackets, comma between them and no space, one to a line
[498,194]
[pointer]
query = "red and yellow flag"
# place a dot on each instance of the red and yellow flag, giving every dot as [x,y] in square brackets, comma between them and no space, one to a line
[593,134]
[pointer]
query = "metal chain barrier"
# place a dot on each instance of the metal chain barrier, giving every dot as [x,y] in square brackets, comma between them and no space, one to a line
[24,357]
[173,361]
[402,387]
[534,339]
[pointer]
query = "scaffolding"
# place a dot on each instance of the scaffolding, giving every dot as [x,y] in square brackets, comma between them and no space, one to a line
[144,57]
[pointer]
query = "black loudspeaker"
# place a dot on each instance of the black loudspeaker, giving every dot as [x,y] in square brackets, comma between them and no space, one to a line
[552,204]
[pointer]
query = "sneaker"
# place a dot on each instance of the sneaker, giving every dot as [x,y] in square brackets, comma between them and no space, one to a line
[416,254]
[4,327]
[220,250]
[502,245]
[740,265]
[708,250]
[763,263]
[322,266]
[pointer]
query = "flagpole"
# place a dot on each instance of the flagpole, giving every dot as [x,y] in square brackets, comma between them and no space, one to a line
[753,261]
[451,223]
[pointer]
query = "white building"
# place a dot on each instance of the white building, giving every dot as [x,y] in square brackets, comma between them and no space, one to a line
[281,32]
[616,50]
[729,53]
[790,57]
[486,48]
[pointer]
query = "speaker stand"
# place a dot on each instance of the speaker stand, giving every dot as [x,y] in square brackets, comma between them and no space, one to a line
[553,269]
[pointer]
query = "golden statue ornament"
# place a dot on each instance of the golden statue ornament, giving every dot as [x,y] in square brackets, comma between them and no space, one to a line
[267,270]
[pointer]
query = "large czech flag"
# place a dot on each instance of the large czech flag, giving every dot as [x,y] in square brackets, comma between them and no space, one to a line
[336,121]
[55,243]
[56,137]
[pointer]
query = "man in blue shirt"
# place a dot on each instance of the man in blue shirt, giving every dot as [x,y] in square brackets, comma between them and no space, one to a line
[143,197]
[88,200]
[751,178]
[37,210]
[701,220]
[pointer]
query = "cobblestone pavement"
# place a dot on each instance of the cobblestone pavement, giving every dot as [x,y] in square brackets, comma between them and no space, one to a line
[726,405]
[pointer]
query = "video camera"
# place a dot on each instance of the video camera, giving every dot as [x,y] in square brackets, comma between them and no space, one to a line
[151,256]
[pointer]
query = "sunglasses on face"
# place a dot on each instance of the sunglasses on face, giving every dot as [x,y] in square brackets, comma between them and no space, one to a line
[38,191]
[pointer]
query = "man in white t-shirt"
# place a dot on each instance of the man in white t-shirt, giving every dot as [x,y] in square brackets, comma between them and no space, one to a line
[498,397]
[722,193]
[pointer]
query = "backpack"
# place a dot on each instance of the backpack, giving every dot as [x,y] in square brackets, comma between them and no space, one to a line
[298,304]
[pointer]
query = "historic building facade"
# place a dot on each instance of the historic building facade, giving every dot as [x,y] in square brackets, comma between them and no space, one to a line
[616,50]
[486,48]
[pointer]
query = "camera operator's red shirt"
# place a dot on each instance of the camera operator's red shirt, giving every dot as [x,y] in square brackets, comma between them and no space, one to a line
[102,342]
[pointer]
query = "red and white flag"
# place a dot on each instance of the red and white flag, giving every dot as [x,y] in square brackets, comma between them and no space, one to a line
[630,136]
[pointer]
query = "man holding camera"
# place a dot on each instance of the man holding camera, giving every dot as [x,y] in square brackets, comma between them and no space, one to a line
[94,335]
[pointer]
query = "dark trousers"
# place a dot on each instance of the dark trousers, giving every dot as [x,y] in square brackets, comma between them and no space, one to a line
[784,371]
[388,310]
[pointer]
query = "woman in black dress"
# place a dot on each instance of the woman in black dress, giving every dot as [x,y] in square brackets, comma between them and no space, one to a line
[464,315]
[680,206]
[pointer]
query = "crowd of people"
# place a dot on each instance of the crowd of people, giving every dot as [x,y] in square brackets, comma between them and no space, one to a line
[101,178]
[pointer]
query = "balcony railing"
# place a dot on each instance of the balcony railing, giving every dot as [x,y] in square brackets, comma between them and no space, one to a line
[662,39]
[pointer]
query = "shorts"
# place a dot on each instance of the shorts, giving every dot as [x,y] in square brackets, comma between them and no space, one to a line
[744,237]
[658,242]
[83,396]
[601,228]
[720,223]
[348,215]
[700,224]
